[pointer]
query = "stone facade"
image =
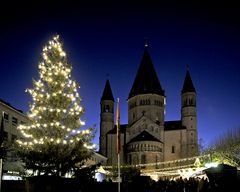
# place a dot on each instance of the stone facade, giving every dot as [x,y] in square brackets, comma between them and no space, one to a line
[148,138]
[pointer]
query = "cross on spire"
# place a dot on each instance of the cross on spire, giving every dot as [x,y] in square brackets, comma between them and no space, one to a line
[145,42]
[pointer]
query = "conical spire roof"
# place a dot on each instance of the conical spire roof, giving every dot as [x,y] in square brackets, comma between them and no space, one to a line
[146,80]
[188,84]
[107,92]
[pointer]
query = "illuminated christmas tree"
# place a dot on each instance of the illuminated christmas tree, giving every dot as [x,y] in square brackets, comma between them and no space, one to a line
[53,143]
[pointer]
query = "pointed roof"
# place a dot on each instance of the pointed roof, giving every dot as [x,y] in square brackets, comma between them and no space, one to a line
[146,80]
[107,92]
[188,84]
[144,136]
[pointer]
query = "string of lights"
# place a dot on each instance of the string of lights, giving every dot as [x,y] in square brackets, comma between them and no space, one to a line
[55,110]
[168,163]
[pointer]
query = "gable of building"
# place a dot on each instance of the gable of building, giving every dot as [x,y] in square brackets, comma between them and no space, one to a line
[144,123]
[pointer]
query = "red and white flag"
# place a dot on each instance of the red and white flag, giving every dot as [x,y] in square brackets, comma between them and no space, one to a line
[118,128]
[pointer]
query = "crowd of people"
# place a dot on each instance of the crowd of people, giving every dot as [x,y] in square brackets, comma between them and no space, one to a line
[184,185]
[195,184]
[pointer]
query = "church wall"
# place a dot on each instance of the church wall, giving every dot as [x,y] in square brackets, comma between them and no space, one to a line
[175,145]
[147,112]
[158,132]
[154,129]
[106,122]
[144,152]
[111,149]
[105,126]
[149,105]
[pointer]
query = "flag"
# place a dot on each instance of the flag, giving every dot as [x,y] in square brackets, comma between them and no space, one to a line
[2,131]
[118,128]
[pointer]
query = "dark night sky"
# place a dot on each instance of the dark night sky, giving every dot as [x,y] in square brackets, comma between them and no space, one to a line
[103,37]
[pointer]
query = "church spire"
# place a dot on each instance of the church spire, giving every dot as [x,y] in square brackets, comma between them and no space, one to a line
[107,93]
[188,84]
[146,80]
[146,42]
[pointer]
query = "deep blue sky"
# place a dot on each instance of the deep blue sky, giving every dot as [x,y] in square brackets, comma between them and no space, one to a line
[103,37]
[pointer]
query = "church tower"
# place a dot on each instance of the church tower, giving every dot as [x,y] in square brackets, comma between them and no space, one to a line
[146,106]
[189,115]
[147,138]
[146,97]
[106,117]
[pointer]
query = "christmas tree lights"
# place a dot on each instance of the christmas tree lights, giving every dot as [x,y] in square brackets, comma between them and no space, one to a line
[54,114]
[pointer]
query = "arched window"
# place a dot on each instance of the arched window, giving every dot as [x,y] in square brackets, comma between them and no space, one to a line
[143,159]
[191,101]
[185,102]
[106,108]
[135,160]
[148,102]
[130,159]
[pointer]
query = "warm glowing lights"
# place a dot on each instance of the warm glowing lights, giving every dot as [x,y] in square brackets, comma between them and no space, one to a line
[45,140]
[211,164]
[89,146]
[55,111]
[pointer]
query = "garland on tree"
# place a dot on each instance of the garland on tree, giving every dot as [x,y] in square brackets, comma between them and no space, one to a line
[53,142]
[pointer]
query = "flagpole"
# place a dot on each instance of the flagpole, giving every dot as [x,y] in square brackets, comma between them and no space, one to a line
[119,173]
[118,144]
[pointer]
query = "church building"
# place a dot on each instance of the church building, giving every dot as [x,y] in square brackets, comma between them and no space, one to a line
[148,138]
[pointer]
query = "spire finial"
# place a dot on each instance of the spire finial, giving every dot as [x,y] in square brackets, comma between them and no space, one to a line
[107,75]
[145,42]
[187,66]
